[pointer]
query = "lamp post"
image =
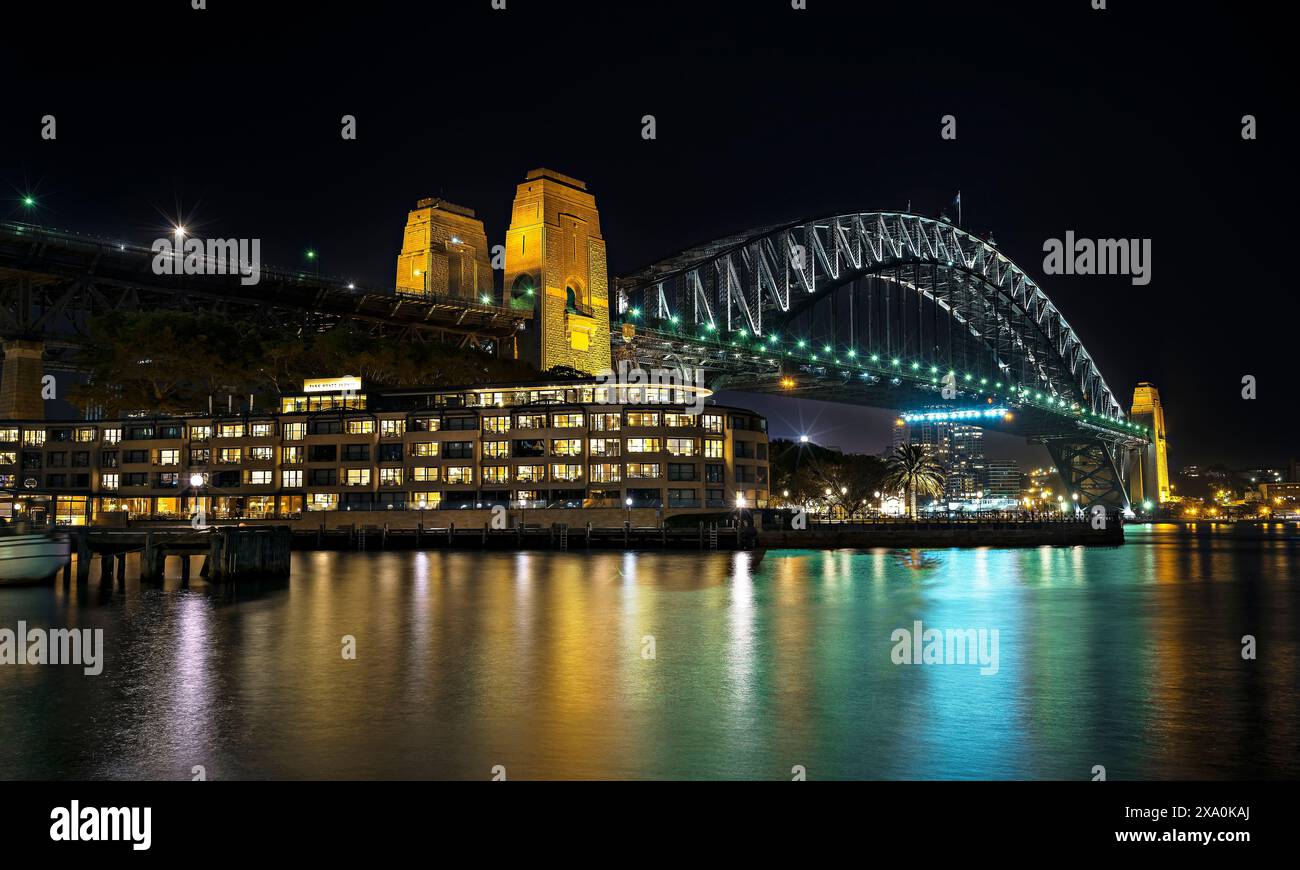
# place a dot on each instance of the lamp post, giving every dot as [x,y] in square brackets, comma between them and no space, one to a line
[199,519]
[628,502]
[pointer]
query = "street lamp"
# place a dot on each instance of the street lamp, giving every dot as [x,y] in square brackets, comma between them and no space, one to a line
[628,502]
[199,519]
[803,439]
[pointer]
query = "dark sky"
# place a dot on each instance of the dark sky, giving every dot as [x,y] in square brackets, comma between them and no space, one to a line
[1117,123]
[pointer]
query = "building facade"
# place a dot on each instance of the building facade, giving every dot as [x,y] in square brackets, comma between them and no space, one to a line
[1150,480]
[333,447]
[445,253]
[555,264]
[966,469]
[1003,479]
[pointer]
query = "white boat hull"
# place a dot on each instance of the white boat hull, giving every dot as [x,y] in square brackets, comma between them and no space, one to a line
[27,559]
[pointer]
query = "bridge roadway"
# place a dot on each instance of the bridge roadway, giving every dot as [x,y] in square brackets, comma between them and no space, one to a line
[52,281]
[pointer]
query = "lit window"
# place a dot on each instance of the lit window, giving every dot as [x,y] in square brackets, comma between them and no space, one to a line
[323,501]
[291,479]
[643,445]
[361,427]
[496,474]
[642,418]
[294,431]
[566,473]
[566,447]
[605,446]
[108,482]
[460,474]
[681,446]
[530,473]
[606,473]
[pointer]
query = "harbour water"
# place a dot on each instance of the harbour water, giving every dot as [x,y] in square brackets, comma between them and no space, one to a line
[681,665]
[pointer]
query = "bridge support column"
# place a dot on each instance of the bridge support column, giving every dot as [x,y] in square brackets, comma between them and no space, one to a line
[20,380]
[1088,467]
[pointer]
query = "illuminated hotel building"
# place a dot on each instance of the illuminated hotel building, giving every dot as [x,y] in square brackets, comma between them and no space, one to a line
[334,447]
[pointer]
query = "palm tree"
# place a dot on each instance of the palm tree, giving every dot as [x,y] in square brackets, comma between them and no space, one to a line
[911,468]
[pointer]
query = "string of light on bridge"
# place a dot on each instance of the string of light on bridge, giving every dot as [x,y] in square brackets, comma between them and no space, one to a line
[894,367]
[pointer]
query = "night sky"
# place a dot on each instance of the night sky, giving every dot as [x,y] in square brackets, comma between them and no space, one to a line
[1117,123]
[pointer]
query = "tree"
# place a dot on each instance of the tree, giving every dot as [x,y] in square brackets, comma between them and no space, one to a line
[911,468]
[171,361]
[807,472]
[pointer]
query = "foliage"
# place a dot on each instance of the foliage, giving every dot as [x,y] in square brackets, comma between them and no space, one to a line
[815,477]
[171,362]
[913,470]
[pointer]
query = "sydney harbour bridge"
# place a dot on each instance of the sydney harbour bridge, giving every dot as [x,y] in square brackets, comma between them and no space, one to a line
[883,308]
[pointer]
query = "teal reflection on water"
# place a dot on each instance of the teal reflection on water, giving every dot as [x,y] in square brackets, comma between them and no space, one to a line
[681,665]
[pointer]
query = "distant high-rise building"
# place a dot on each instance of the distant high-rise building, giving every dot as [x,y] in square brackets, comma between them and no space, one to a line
[935,437]
[1150,479]
[957,448]
[1003,479]
[965,467]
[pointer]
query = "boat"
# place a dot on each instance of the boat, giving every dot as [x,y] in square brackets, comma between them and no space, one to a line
[30,557]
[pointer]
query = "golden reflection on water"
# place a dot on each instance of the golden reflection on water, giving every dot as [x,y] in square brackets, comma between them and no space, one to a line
[585,665]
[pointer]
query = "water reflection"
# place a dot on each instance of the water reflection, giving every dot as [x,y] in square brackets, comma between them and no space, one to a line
[680,665]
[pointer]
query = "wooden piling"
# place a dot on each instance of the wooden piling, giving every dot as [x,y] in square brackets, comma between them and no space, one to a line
[82,536]
[215,553]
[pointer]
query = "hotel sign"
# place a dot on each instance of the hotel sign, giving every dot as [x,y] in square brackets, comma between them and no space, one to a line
[346,383]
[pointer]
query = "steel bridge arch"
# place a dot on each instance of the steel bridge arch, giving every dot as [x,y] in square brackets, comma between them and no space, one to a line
[771,274]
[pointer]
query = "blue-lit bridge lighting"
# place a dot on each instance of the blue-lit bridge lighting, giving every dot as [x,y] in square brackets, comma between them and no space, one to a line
[944,416]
